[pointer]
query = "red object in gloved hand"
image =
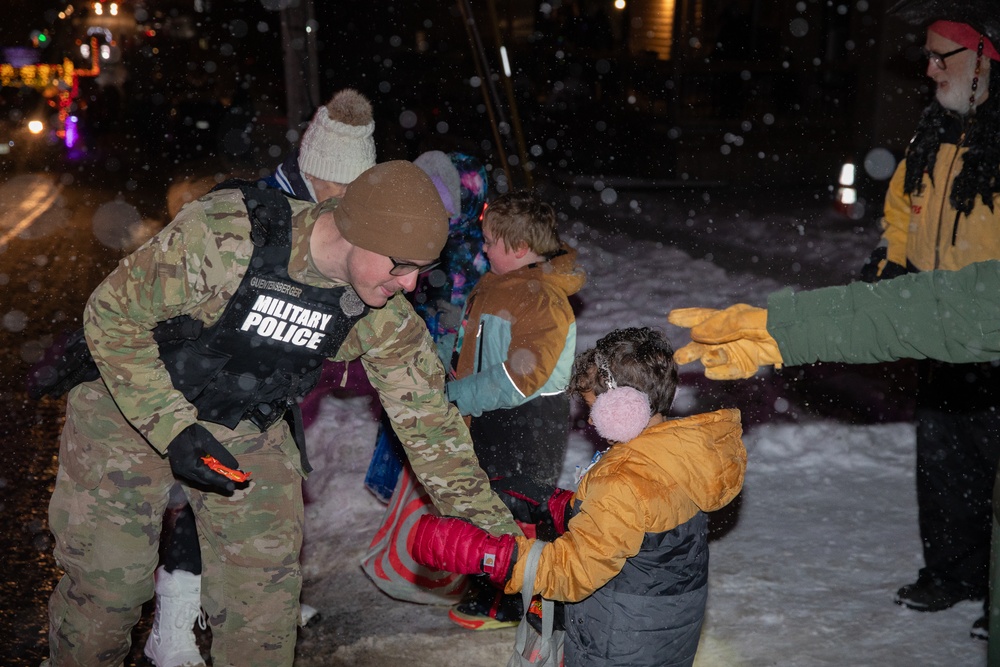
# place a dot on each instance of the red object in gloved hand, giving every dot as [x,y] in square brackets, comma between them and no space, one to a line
[455,545]
[544,505]
[187,453]
[559,509]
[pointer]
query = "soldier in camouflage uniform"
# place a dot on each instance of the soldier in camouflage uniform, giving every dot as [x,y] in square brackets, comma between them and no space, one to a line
[130,433]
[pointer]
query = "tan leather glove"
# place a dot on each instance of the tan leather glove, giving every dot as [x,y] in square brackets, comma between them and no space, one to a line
[732,344]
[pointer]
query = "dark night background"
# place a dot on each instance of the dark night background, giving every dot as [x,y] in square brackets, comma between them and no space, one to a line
[741,98]
[744,91]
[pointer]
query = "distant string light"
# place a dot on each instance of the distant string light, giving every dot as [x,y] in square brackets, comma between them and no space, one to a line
[61,80]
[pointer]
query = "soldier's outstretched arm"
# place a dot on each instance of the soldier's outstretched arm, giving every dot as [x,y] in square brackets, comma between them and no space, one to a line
[402,364]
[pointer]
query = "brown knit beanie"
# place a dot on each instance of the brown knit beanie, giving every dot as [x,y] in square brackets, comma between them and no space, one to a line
[393,209]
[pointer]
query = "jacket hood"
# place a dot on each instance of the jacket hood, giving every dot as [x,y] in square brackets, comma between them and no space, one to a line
[703,453]
[561,271]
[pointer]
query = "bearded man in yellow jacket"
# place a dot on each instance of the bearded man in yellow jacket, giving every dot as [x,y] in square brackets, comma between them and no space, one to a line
[939,214]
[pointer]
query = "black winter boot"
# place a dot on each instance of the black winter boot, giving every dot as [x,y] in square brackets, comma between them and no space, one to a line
[930,593]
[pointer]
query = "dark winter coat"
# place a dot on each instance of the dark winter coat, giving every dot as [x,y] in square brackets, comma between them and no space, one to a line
[440,295]
[289,179]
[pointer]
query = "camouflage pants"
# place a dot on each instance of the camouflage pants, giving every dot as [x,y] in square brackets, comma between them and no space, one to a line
[106,513]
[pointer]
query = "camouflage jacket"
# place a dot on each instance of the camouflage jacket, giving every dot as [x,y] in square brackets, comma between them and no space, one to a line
[193,267]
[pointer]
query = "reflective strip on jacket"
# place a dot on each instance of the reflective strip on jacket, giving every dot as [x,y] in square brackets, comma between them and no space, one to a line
[518,336]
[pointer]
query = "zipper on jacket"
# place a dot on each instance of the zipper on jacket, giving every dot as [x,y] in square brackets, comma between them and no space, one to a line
[944,200]
[958,214]
[479,346]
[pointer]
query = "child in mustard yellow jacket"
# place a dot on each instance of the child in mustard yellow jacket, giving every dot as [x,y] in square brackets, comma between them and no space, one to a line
[631,555]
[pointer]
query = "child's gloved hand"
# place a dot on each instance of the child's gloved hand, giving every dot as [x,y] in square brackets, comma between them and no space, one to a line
[732,344]
[455,545]
[543,505]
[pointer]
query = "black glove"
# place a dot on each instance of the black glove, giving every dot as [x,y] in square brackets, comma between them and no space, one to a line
[893,270]
[534,502]
[870,272]
[526,498]
[185,452]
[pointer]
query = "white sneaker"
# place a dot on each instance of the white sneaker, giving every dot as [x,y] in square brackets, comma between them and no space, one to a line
[172,642]
[306,614]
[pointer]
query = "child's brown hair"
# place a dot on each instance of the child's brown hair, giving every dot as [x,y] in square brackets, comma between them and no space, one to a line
[520,217]
[637,357]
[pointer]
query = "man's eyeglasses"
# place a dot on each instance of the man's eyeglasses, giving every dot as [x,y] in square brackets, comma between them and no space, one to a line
[404,268]
[939,58]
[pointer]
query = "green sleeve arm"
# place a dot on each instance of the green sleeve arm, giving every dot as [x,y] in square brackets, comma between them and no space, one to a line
[951,316]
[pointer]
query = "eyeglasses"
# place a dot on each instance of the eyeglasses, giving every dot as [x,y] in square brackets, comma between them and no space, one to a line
[404,268]
[939,58]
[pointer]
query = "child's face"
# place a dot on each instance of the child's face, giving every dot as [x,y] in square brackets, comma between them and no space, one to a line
[502,259]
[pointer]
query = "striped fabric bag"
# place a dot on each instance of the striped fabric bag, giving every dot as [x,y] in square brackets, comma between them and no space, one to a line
[388,563]
[532,648]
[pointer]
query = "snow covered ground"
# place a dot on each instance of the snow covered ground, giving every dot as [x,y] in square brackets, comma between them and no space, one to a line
[804,564]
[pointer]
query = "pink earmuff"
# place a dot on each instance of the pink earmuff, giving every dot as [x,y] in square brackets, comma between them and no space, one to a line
[620,414]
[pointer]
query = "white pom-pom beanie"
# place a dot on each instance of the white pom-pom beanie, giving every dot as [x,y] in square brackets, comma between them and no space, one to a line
[338,145]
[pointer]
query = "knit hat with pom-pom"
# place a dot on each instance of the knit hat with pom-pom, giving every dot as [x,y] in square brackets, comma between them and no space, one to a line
[338,144]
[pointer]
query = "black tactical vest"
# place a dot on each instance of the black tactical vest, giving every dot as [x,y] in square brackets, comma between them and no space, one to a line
[268,347]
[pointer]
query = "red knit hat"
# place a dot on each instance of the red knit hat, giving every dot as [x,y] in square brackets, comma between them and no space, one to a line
[965,35]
